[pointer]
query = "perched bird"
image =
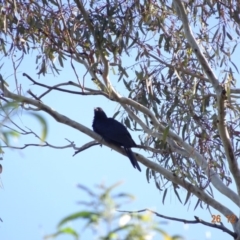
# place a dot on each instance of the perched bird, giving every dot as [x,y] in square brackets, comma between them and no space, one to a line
[114,132]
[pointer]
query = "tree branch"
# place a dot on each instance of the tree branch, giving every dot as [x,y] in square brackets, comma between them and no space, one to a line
[56,87]
[156,167]
[86,146]
[198,220]
[190,151]
[222,128]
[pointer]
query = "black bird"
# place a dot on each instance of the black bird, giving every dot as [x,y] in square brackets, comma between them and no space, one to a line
[114,132]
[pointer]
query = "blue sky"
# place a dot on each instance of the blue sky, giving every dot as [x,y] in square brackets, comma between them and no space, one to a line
[38,185]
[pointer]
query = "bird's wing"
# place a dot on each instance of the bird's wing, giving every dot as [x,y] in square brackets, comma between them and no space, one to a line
[115,132]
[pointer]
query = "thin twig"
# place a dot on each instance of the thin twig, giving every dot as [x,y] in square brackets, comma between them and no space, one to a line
[198,220]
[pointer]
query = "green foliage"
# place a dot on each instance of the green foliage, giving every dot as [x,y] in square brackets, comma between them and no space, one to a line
[43,124]
[100,214]
[8,111]
[144,44]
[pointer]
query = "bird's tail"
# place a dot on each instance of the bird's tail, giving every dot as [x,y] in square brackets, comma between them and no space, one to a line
[132,158]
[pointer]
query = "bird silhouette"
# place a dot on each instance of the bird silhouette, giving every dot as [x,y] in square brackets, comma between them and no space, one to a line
[114,132]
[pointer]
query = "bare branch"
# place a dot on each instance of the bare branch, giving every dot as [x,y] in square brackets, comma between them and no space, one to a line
[56,87]
[198,220]
[43,144]
[86,146]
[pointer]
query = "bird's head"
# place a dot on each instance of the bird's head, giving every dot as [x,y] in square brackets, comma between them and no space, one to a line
[99,113]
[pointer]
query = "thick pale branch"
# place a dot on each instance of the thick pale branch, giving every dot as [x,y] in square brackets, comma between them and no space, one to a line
[192,41]
[99,49]
[188,151]
[85,15]
[223,131]
[193,189]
